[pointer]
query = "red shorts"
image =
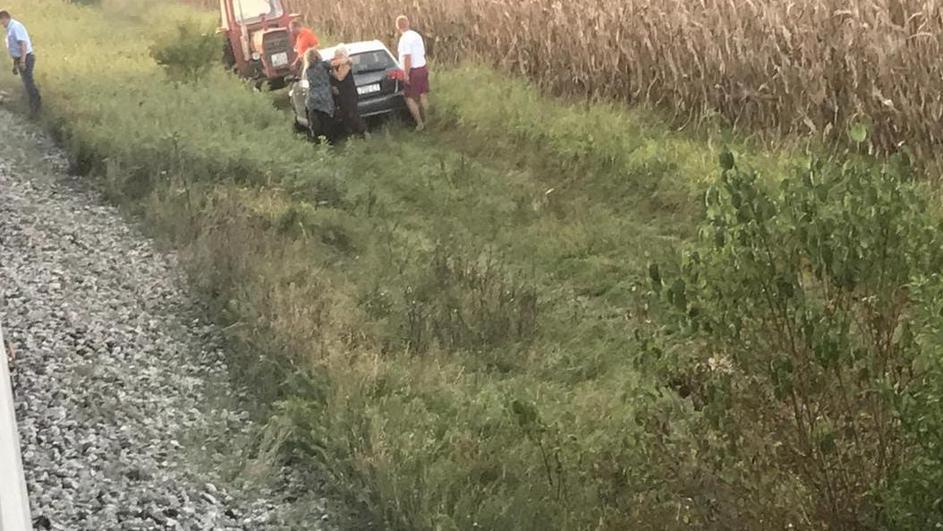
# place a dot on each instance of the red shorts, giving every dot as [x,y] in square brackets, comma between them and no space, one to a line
[418,83]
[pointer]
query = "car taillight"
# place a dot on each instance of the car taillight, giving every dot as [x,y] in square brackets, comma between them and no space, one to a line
[396,74]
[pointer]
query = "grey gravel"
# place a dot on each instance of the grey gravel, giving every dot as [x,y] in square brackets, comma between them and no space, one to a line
[127,419]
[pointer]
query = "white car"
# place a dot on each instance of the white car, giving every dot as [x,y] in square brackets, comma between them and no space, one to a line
[377,75]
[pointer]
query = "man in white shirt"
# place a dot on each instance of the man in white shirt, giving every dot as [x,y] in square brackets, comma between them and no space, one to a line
[412,56]
[24,62]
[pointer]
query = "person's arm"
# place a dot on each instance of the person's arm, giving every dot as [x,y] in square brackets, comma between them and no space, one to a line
[21,45]
[407,66]
[328,68]
[405,51]
[299,56]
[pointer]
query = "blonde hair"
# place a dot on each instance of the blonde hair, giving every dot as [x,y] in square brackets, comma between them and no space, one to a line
[341,52]
[311,56]
[402,22]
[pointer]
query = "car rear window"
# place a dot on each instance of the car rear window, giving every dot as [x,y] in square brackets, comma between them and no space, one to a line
[376,61]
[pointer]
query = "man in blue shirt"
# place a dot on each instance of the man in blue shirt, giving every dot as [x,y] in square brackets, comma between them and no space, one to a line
[24,62]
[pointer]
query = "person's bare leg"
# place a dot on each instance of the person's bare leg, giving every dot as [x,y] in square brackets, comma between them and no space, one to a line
[413,106]
[424,105]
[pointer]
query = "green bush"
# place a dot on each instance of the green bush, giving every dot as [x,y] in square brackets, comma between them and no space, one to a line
[188,53]
[803,298]
[913,497]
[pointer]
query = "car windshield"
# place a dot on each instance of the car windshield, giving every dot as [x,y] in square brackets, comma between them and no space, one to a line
[255,9]
[376,61]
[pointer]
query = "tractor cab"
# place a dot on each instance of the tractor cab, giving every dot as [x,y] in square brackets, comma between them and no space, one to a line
[258,39]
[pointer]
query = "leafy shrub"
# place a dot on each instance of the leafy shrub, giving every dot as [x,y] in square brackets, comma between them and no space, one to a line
[803,298]
[187,54]
[912,499]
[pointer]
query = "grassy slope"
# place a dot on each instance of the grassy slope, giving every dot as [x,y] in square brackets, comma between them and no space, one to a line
[335,270]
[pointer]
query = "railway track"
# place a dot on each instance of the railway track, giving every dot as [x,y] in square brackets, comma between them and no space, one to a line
[14,499]
[124,416]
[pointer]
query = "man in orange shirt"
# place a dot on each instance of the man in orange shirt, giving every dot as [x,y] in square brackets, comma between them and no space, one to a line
[305,39]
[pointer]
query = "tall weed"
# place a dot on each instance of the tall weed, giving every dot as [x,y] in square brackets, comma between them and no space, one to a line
[801,299]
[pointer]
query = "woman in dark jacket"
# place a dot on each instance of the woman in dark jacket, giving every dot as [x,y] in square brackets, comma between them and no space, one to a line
[345,93]
[319,103]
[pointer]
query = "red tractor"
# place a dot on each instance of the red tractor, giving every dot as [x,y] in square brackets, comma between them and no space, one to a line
[258,40]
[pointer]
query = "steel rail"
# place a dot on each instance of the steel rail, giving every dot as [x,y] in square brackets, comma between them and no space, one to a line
[14,499]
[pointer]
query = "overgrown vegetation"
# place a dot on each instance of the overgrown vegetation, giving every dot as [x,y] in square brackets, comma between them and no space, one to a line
[188,53]
[462,327]
[802,299]
[813,67]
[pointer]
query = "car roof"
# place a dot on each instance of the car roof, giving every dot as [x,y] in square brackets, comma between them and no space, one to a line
[355,48]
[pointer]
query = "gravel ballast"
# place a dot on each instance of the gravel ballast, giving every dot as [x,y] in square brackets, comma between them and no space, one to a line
[127,418]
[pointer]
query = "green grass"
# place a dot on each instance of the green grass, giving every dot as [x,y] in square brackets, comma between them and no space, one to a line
[448,322]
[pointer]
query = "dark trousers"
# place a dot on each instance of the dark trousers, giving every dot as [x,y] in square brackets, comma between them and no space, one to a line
[322,124]
[32,91]
[352,122]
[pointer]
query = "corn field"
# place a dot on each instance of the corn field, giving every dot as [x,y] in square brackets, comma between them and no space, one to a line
[800,66]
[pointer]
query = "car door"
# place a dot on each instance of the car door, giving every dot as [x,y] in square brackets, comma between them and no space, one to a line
[298,95]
